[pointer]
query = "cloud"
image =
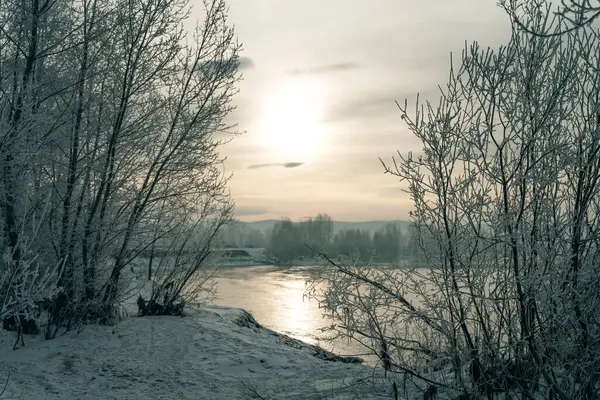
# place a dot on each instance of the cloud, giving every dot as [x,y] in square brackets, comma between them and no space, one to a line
[365,107]
[325,69]
[256,166]
[292,164]
[269,165]
[243,63]
[370,105]
[246,63]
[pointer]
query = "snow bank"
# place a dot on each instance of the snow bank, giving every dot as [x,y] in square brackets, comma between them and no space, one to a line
[213,353]
[255,256]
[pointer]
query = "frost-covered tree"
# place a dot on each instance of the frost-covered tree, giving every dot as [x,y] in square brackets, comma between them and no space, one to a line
[286,242]
[506,207]
[569,15]
[349,241]
[387,243]
[112,120]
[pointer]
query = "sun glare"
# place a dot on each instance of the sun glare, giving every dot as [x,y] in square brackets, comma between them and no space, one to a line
[290,123]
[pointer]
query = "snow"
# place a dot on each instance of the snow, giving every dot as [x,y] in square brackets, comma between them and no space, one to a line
[212,353]
[256,256]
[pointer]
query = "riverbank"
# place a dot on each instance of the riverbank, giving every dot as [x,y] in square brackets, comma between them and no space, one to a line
[242,257]
[212,353]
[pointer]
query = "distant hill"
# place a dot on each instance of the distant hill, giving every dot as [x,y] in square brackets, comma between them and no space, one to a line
[370,226]
[266,226]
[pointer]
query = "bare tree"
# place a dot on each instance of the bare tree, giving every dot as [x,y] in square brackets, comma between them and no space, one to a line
[113,125]
[183,164]
[566,17]
[505,194]
[181,275]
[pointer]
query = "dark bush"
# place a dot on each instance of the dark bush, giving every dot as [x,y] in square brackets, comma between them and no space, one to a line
[13,323]
[60,314]
[152,307]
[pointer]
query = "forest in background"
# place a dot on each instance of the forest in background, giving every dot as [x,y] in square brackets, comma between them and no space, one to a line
[287,241]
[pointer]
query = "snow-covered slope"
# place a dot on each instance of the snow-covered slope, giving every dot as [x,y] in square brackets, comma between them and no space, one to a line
[213,353]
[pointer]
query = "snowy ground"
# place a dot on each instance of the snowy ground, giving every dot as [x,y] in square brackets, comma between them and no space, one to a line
[213,353]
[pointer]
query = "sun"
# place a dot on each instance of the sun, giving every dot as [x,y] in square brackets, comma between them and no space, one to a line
[290,124]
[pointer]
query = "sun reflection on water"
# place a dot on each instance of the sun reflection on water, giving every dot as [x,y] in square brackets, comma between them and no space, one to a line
[275,298]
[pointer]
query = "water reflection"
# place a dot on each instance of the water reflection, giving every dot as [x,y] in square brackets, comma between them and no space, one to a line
[274,295]
[296,315]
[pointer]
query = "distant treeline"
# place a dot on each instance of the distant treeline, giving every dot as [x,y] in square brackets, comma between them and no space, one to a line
[240,235]
[287,240]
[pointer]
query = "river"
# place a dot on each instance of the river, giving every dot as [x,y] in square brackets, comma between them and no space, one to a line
[274,296]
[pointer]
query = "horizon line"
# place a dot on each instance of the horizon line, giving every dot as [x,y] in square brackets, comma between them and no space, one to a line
[332,220]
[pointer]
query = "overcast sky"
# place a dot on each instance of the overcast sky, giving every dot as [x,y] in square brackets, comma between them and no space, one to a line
[317,99]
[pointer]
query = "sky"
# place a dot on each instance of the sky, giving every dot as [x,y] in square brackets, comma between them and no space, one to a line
[316,103]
